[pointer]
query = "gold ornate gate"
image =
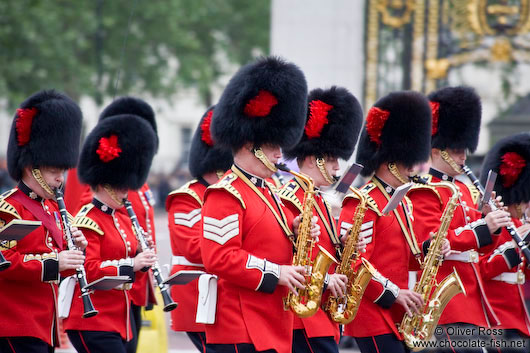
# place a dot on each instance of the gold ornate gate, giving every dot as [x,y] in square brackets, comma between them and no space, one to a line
[414,44]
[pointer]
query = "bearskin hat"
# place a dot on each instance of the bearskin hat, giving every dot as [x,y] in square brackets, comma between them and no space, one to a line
[510,159]
[265,102]
[456,115]
[333,122]
[131,106]
[45,132]
[397,129]
[205,156]
[118,152]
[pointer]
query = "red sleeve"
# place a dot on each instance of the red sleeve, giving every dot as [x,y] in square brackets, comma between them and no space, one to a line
[502,259]
[184,215]
[94,266]
[428,211]
[380,290]
[221,245]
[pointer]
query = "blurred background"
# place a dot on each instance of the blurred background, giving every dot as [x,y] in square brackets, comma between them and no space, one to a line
[179,54]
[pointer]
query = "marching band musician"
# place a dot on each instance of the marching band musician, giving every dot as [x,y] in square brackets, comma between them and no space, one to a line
[43,143]
[394,141]
[207,163]
[333,123]
[455,130]
[142,200]
[504,269]
[115,158]
[247,232]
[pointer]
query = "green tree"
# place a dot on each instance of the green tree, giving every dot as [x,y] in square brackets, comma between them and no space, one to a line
[155,47]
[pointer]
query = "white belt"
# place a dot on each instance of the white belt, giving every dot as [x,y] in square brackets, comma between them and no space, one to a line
[511,277]
[465,256]
[181,260]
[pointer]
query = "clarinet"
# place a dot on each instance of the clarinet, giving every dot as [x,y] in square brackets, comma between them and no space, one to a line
[511,229]
[169,304]
[88,307]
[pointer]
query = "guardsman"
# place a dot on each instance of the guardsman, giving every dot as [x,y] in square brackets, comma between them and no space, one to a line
[332,126]
[142,200]
[455,131]
[394,141]
[207,163]
[247,232]
[43,144]
[504,269]
[115,158]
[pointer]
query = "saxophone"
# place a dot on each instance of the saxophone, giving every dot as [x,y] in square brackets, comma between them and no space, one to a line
[343,310]
[307,301]
[420,327]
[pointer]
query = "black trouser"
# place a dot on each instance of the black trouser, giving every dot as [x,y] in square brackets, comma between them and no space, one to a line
[511,341]
[461,338]
[199,341]
[387,343]
[136,325]
[236,348]
[97,341]
[303,344]
[24,345]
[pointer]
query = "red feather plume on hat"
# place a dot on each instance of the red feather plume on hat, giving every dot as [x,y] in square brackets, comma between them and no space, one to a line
[375,121]
[261,104]
[23,124]
[108,148]
[435,108]
[206,135]
[318,118]
[511,167]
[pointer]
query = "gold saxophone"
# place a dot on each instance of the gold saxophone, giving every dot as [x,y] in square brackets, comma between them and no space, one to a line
[343,309]
[307,301]
[420,327]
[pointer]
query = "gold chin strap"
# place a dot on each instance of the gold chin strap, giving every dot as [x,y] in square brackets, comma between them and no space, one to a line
[112,194]
[449,160]
[219,174]
[321,164]
[40,179]
[258,152]
[395,172]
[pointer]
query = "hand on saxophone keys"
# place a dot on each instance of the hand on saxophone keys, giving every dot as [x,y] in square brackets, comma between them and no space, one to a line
[337,285]
[315,228]
[410,300]
[292,277]
[446,246]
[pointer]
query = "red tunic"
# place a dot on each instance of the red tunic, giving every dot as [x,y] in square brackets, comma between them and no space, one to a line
[389,252]
[142,201]
[29,285]
[111,247]
[292,193]
[244,244]
[467,231]
[499,268]
[184,215]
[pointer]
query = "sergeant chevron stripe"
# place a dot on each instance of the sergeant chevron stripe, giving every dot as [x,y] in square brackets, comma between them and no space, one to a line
[221,230]
[188,219]
[344,228]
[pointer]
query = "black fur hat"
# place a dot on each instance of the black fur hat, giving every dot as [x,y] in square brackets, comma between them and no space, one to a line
[264,103]
[510,159]
[456,118]
[118,152]
[332,126]
[397,129]
[132,106]
[205,156]
[45,132]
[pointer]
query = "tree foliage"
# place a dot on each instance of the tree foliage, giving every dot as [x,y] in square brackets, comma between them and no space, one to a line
[155,47]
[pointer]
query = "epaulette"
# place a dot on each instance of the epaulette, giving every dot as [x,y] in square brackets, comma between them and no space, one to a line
[370,202]
[186,190]
[288,193]
[475,193]
[6,207]
[419,186]
[226,183]
[81,220]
